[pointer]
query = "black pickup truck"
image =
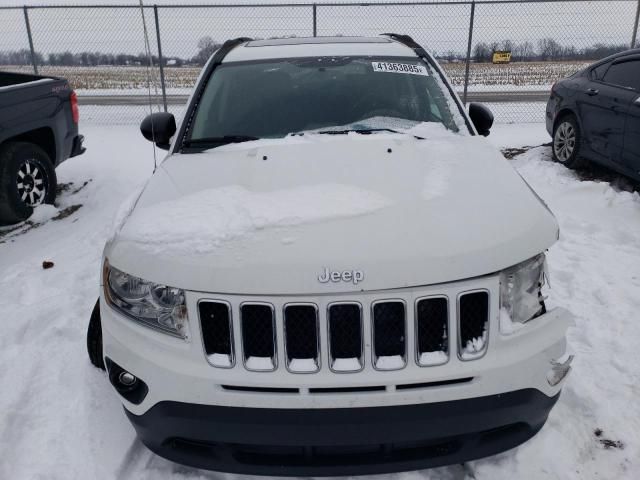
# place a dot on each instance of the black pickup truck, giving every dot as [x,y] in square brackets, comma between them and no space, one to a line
[38,131]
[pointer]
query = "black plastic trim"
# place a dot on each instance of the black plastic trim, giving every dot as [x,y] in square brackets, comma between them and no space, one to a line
[341,441]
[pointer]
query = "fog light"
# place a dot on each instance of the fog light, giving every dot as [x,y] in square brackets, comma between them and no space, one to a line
[559,370]
[127,379]
[131,388]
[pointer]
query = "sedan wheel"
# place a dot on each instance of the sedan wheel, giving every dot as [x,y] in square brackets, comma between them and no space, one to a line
[564,141]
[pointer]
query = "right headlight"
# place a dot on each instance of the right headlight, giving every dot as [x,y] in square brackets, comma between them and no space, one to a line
[521,291]
[151,304]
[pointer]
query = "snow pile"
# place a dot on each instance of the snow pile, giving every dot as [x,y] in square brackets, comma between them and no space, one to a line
[428,359]
[346,364]
[508,326]
[259,363]
[475,347]
[219,360]
[203,221]
[43,213]
[302,365]
[392,362]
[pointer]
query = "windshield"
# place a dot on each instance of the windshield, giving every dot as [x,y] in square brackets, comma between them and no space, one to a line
[272,99]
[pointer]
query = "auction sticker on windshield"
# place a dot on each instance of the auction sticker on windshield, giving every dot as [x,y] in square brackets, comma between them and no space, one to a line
[399,68]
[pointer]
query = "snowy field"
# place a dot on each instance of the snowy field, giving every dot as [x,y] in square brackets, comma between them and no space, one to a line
[60,419]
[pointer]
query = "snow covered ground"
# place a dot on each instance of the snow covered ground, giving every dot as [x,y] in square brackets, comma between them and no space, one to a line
[59,418]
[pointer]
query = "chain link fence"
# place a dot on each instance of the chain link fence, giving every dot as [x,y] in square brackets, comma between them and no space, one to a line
[101,49]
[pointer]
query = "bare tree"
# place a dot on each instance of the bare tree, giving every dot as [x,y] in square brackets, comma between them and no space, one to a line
[482,52]
[550,49]
[206,47]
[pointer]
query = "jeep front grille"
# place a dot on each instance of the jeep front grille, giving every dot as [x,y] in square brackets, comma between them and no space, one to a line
[346,334]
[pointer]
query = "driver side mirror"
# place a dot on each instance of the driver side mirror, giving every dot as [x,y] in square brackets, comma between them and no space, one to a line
[481,117]
[159,128]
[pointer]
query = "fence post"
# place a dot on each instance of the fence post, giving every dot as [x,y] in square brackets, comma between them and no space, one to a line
[33,53]
[635,26]
[315,19]
[468,61]
[161,59]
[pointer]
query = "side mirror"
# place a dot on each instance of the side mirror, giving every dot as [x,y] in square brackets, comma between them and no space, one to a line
[159,128]
[481,117]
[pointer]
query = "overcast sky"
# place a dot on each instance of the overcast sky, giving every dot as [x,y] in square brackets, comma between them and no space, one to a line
[439,27]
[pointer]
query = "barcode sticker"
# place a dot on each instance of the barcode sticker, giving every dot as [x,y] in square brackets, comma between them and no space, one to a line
[409,68]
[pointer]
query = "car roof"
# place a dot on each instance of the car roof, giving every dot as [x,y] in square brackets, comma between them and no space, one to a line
[318,46]
[616,56]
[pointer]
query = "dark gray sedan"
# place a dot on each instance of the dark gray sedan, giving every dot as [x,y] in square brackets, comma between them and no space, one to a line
[594,115]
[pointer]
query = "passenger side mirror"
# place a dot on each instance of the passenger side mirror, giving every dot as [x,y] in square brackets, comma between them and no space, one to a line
[159,128]
[481,117]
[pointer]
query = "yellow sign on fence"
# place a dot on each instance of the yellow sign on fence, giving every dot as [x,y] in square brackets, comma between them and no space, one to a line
[501,56]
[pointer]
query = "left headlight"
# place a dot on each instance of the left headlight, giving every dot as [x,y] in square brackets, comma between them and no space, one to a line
[151,304]
[521,291]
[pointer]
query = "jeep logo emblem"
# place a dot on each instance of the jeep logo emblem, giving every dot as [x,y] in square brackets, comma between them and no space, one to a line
[355,276]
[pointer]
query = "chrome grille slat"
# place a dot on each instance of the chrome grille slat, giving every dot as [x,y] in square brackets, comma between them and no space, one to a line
[389,331]
[473,324]
[432,330]
[345,331]
[301,338]
[258,327]
[217,332]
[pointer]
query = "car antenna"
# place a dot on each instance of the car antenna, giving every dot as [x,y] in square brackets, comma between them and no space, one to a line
[147,48]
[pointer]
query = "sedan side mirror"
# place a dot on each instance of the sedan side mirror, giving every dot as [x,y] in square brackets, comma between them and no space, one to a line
[481,117]
[159,128]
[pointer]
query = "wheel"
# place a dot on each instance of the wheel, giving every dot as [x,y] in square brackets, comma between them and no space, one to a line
[94,338]
[27,179]
[567,139]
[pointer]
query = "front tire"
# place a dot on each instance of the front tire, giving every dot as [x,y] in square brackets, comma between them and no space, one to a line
[567,143]
[94,338]
[27,179]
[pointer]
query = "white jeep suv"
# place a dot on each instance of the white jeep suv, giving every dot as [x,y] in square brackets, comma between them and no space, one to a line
[331,273]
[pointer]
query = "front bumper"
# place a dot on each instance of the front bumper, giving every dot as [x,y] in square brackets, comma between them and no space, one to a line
[341,441]
[329,423]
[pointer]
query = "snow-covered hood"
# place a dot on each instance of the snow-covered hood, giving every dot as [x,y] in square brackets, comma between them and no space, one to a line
[269,217]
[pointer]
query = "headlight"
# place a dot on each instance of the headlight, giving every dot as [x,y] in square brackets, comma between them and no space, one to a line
[521,292]
[151,304]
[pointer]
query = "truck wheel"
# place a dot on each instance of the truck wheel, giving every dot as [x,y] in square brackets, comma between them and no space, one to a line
[27,179]
[567,139]
[94,338]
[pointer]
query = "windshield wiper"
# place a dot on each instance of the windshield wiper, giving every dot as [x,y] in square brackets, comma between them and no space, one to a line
[364,131]
[200,144]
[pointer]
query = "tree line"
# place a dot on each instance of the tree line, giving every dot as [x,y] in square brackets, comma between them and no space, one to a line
[546,49]
[206,46]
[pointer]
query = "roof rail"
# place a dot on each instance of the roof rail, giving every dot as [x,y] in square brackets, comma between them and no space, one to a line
[226,48]
[408,41]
